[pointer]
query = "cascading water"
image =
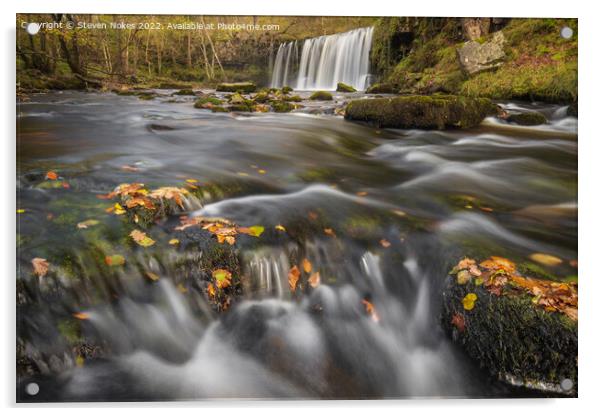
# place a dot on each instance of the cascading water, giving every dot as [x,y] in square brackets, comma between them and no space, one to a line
[325,61]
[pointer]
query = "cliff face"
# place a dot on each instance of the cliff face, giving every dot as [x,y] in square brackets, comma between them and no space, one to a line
[490,57]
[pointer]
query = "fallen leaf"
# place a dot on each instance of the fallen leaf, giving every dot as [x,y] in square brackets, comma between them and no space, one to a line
[115,260]
[280,228]
[499,263]
[330,232]
[458,322]
[545,259]
[314,279]
[242,174]
[141,238]
[255,230]
[79,361]
[152,276]
[182,288]
[293,278]
[169,192]
[52,175]
[40,266]
[312,215]
[190,180]
[474,270]
[306,264]
[129,168]
[20,211]
[222,278]
[371,310]
[87,223]
[465,263]
[174,241]
[81,315]
[398,212]
[262,171]
[469,301]
[362,193]
[118,209]
[211,290]
[463,277]
[385,243]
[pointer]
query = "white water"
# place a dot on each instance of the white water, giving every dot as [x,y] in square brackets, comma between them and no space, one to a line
[325,61]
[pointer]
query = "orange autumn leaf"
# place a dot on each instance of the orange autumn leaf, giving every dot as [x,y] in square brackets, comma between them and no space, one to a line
[362,193]
[81,315]
[385,243]
[141,238]
[293,278]
[329,232]
[306,264]
[40,266]
[458,322]
[222,278]
[314,280]
[52,175]
[499,263]
[371,310]
[211,290]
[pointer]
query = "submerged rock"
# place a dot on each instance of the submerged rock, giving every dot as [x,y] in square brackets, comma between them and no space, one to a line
[321,96]
[244,87]
[345,88]
[475,57]
[531,118]
[422,112]
[522,330]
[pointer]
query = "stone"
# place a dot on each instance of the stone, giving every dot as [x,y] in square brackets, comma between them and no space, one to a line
[475,57]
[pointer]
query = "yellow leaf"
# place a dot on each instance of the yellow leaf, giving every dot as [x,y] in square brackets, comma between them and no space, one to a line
[211,291]
[141,238]
[262,171]
[463,277]
[280,228]
[255,230]
[40,266]
[222,278]
[79,361]
[306,265]
[242,174]
[399,212]
[118,209]
[330,232]
[152,276]
[545,259]
[182,288]
[53,176]
[191,180]
[20,211]
[174,241]
[469,301]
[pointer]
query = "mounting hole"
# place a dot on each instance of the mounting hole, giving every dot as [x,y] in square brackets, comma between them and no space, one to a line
[566,32]
[566,384]
[32,389]
[33,28]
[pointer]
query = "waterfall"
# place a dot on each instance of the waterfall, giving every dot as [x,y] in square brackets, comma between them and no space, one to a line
[325,61]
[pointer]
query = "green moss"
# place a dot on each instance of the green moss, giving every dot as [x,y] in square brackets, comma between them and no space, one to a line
[261,97]
[531,118]
[321,96]
[345,88]
[242,87]
[242,107]
[146,96]
[427,112]
[292,98]
[286,90]
[381,88]
[282,106]
[184,92]
[218,109]
[199,103]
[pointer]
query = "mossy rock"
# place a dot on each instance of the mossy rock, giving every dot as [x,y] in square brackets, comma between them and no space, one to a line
[321,96]
[282,106]
[286,89]
[421,112]
[261,97]
[204,101]
[184,92]
[513,339]
[381,89]
[218,109]
[147,96]
[243,87]
[242,107]
[345,88]
[572,110]
[531,118]
[292,98]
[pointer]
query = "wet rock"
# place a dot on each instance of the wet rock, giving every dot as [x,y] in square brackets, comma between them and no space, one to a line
[382,88]
[531,118]
[345,88]
[184,92]
[422,112]
[207,102]
[286,89]
[218,109]
[505,330]
[243,87]
[282,106]
[572,110]
[321,96]
[475,57]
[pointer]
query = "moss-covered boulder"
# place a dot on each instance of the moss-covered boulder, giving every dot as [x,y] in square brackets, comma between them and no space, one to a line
[207,102]
[286,89]
[244,87]
[292,98]
[531,118]
[522,330]
[218,109]
[382,88]
[185,91]
[422,112]
[321,96]
[282,106]
[341,87]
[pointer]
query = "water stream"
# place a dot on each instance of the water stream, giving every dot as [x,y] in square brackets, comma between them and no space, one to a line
[433,196]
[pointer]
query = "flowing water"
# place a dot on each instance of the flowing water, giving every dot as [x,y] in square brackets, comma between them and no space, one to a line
[325,61]
[433,196]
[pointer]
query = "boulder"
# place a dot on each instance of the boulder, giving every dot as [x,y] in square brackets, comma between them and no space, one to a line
[243,87]
[345,88]
[523,330]
[530,118]
[420,111]
[381,88]
[475,57]
[321,96]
